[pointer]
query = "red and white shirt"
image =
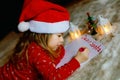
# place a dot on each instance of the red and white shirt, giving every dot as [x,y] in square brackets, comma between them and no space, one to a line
[40,65]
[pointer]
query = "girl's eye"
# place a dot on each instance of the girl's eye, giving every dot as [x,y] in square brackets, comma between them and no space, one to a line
[59,35]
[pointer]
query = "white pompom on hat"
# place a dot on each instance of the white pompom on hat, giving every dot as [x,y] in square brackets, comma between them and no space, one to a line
[23,26]
[41,16]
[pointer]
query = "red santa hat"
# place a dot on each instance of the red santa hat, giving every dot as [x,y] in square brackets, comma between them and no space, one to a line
[41,16]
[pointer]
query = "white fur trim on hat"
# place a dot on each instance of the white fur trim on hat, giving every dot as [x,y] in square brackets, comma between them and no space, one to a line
[45,27]
[23,26]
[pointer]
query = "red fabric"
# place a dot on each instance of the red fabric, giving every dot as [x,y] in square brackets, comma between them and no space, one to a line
[44,11]
[40,64]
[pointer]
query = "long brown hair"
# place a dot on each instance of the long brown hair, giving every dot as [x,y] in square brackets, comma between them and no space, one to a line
[26,39]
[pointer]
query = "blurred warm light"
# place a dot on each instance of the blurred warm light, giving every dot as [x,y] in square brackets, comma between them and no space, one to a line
[104,29]
[75,34]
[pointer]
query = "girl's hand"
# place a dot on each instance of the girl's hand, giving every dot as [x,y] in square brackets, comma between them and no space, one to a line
[82,54]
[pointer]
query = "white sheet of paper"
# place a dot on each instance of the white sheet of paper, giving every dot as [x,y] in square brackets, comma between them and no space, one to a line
[86,40]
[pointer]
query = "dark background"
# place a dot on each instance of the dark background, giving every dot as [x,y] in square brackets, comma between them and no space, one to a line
[9,15]
[10,12]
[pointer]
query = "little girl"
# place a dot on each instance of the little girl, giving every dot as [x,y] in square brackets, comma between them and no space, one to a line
[40,48]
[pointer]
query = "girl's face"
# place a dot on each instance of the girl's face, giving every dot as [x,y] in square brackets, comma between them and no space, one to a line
[55,41]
